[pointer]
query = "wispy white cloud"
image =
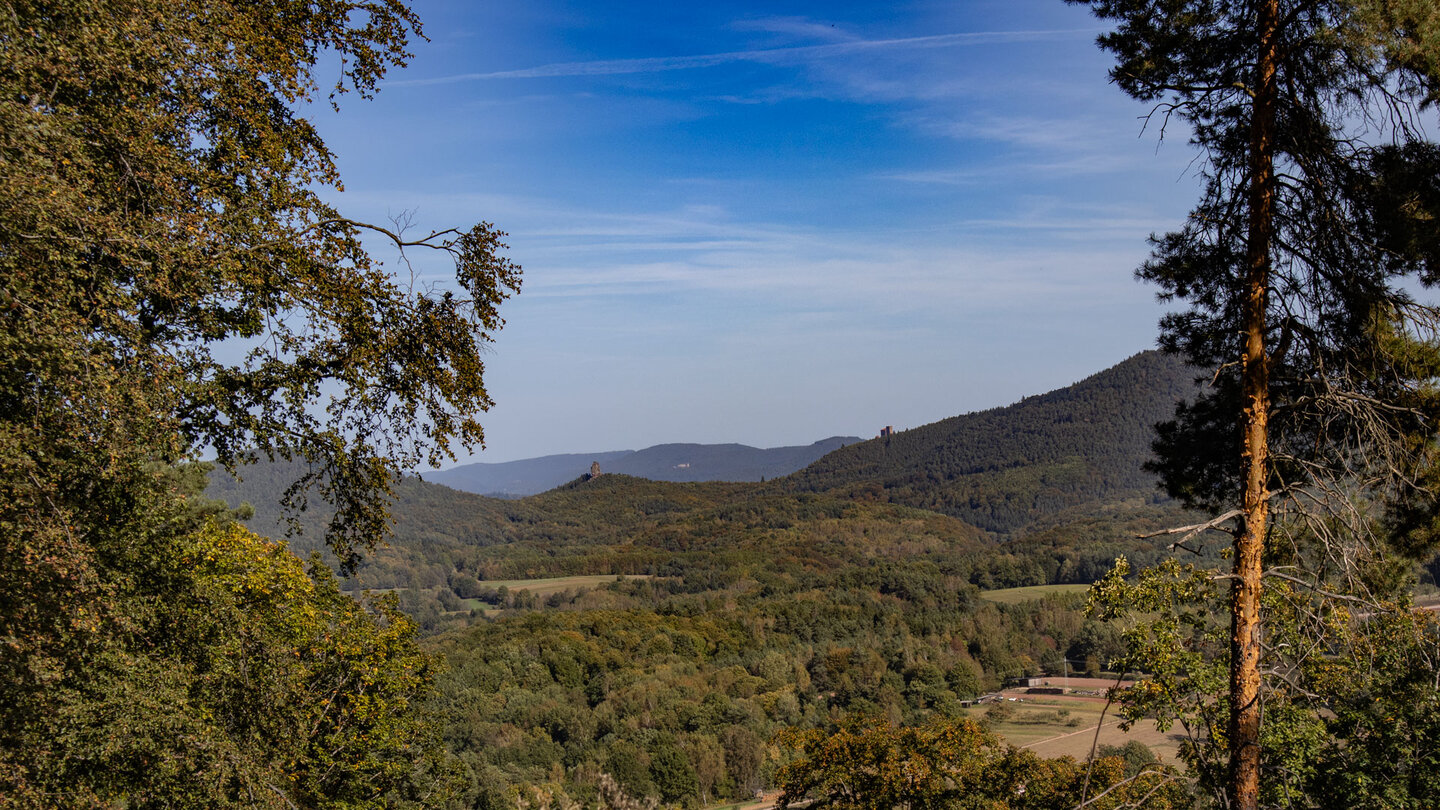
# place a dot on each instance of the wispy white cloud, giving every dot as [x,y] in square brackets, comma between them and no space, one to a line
[1093,162]
[961,272]
[780,55]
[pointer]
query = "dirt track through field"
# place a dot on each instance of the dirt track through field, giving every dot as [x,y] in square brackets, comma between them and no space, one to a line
[1090,731]
[1078,744]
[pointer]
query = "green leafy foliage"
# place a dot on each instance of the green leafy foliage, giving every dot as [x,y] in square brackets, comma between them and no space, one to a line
[609,682]
[956,764]
[171,280]
[1350,699]
[242,681]
[162,196]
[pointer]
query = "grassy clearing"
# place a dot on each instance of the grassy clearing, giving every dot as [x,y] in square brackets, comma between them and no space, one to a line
[1014,596]
[1077,744]
[1056,726]
[545,587]
[539,587]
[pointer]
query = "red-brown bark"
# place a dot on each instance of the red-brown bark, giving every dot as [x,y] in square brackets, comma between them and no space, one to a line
[1255,381]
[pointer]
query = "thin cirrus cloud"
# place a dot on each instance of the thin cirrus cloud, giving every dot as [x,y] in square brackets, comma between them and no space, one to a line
[937,294]
[1094,163]
[821,270]
[572,251]
[780,55]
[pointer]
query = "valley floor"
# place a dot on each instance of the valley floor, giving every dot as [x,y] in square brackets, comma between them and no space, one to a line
[1065,725]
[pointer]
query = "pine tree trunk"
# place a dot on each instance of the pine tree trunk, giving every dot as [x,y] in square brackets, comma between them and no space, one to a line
[1255,375]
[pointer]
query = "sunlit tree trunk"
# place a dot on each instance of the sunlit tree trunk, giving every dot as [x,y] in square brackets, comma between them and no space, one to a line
[1255,376]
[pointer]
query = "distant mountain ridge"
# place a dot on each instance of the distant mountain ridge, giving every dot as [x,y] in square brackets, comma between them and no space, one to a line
[663,462]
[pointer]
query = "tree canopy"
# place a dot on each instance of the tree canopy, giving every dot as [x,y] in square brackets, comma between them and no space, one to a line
[953,764]
[1352,708]
[173,281]
[162,212]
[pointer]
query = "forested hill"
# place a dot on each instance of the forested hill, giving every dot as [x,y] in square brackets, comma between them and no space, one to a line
[1066,455]
[1062,470]
[616,524]
[1004,468]
[526,476]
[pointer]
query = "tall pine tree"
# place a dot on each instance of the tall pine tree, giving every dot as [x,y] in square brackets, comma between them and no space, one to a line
[1299,265]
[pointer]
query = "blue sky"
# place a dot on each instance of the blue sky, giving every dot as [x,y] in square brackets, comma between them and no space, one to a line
[772,223]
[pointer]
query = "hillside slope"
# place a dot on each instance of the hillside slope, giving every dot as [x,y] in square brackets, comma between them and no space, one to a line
[1005,468]
[1063,469]
[616,524]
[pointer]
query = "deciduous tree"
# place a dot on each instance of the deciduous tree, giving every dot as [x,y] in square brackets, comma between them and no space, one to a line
[173,280]
[952,763]
[1352,703]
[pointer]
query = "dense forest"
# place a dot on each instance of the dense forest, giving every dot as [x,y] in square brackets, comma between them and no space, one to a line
[737,610]
[615,524]
[677,695]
